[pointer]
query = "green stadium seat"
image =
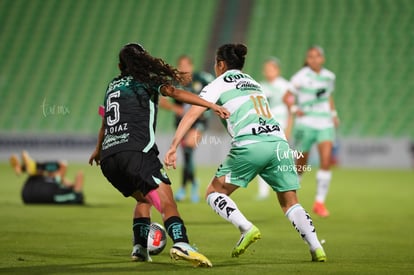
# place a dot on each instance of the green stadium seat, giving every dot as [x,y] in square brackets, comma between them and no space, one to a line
[369,47]
[65,52]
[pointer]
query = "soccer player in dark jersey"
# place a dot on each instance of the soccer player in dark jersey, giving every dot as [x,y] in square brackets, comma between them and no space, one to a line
[47,182]
[198,81]
[127,152]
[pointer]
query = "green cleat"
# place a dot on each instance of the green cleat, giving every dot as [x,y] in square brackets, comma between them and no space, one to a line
[246,239]
[318,255]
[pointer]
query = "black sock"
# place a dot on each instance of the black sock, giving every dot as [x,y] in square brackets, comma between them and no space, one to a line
[141,227]
[176,229]
[188,164]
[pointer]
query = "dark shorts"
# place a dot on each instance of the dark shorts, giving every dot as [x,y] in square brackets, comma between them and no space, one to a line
[41,189]
[132,171]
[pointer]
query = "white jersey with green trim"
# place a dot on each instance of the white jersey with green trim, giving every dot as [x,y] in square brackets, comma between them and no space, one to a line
[274,91]
[250,118]
[312,91]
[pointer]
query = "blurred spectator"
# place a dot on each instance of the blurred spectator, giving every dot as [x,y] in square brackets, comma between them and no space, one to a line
[275,87]
[192,138]
[315,120]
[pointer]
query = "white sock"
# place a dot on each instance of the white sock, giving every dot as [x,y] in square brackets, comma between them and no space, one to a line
[227,208]
[304,225]
[323,179]
[263,188]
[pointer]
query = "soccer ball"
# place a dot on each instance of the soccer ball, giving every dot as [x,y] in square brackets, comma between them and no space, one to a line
[157,239]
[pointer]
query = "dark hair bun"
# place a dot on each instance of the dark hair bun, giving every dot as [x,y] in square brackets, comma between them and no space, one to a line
[233,55]
[240,50]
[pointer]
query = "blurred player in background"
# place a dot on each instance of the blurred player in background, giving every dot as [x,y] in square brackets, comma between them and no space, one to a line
[259,147]
[47,182]
[275,87]
[192,138]
[128,154]
[315,119]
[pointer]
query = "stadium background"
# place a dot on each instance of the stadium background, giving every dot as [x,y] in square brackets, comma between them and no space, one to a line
[58,56]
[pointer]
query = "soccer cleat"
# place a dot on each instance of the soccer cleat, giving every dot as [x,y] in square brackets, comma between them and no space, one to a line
[140,254]
[29,163]
[15,163]
[195,198]
[184,251]
[246,239]
[320,209]
[180,195]
[318,255]
[262,197]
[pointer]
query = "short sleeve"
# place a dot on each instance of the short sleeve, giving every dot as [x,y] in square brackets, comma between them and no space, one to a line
[211,92]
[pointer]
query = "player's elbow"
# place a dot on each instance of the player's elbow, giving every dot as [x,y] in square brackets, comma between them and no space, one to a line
[168,90]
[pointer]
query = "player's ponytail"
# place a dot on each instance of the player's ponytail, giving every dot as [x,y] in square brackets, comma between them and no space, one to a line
[135,61]
[233,55]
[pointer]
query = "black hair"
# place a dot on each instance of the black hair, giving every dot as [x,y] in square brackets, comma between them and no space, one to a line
[135,61]
[233,55]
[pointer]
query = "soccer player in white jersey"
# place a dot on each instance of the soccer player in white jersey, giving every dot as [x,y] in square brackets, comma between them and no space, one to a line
[274,87]
[315,119]
[259,147]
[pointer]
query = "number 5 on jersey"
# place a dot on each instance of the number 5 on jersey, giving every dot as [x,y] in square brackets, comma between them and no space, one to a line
[110,104]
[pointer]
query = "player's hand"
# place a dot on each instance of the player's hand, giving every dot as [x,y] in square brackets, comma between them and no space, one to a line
[95,156]
[220,111]
[170,159]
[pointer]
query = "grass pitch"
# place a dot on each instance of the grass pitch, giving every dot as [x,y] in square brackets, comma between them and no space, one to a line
[370,230]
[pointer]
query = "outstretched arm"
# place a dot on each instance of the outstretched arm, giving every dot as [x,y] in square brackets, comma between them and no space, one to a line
[193,99]
[96,154]
[185,124]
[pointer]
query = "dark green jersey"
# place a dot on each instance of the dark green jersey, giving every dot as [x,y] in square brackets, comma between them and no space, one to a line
[130,116]
[199,81]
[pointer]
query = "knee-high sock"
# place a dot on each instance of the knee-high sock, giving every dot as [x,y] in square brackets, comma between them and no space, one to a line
[176,229]
[141,227]
[302,222]
[188,174]
[227,209]
[323,180]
